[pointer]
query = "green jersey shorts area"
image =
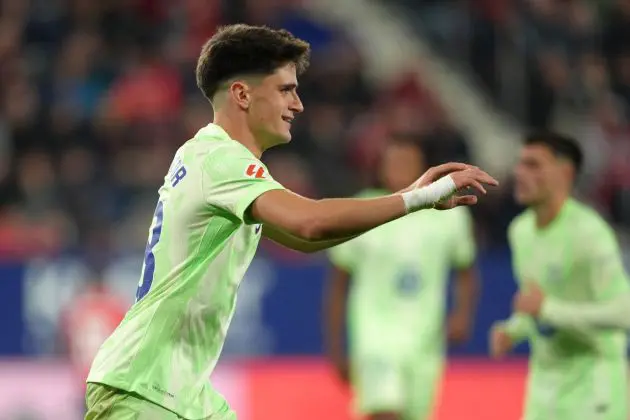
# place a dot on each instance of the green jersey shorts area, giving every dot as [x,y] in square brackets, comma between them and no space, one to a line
[200,245]
[577,373]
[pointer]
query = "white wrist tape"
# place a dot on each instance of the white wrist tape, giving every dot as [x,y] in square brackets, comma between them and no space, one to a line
[427,197]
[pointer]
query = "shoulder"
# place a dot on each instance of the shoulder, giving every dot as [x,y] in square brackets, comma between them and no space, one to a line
[521,224]
[226,158]
[212,142]
[588,225]
[224,150]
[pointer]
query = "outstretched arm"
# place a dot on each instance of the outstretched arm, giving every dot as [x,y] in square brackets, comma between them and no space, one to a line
[290,215]
[296,221]
[299,244]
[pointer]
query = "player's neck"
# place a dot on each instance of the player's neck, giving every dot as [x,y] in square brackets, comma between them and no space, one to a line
[548,211]
[238,131]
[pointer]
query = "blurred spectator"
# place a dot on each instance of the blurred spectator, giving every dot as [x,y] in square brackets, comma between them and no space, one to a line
[574,59]
[86,323]
[96,97]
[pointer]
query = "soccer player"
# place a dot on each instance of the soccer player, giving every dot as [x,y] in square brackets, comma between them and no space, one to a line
[215,199]
[395,279]
[573,302]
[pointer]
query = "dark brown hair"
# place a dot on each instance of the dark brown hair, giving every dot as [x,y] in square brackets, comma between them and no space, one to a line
[560,145]
[243,50]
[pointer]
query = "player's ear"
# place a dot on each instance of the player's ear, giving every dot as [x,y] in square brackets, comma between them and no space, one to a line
[241,94]
[567,169]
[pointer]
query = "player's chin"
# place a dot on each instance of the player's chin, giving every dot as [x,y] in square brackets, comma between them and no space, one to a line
[285,137]
[522,198]
[279,140]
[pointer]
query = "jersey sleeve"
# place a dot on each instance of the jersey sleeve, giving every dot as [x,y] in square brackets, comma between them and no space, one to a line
[464,249]
[600,260]
[344,256]
[233,179]
[598,266]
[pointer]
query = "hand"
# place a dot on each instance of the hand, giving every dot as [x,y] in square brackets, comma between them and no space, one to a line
[500,342]
[473,177]
[458,328]
[436,172]
[456,201]
[464,176]
[529,300]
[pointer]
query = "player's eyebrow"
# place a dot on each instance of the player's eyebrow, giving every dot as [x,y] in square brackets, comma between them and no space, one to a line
[288,86]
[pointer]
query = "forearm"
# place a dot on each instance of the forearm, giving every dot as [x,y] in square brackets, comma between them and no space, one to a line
[334,330]
[341,219]
[299,244]
[332,219]
[334,314]
[612,314]
[466,292]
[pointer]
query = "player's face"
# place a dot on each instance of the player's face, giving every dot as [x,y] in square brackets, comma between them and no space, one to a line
[536,175]
[401,166]
[274,104]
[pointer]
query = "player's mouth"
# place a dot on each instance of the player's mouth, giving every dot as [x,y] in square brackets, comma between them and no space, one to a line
[288,120]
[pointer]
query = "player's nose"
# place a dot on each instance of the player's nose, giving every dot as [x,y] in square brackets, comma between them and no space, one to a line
[297,106]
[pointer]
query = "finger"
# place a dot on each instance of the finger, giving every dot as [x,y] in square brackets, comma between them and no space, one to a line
[471,182]
[439,171]
[466,200]
[483,176]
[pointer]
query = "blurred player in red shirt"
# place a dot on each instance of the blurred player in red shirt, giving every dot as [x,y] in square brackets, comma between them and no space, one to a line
[87,321]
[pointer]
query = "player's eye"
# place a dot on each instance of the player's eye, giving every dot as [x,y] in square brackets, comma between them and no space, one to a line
[287,89]
[531,164]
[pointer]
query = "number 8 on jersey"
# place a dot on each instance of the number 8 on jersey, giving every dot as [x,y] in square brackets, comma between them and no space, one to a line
[149,258]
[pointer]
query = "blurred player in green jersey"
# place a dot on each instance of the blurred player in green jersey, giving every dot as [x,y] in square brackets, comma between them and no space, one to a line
[394,280]
[207,224]
[573,302]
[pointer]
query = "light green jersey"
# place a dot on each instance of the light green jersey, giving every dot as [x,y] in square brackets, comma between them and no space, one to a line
[400,274]
[574,374]
[200,245]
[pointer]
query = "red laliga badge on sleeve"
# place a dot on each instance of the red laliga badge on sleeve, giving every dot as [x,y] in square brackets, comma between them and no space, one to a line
[255,171]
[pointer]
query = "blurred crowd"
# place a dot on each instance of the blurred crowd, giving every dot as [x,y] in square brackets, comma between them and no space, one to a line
[96,97]
[558,64]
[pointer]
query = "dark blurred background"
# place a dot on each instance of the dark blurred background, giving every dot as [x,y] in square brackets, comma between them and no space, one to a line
[95,97]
